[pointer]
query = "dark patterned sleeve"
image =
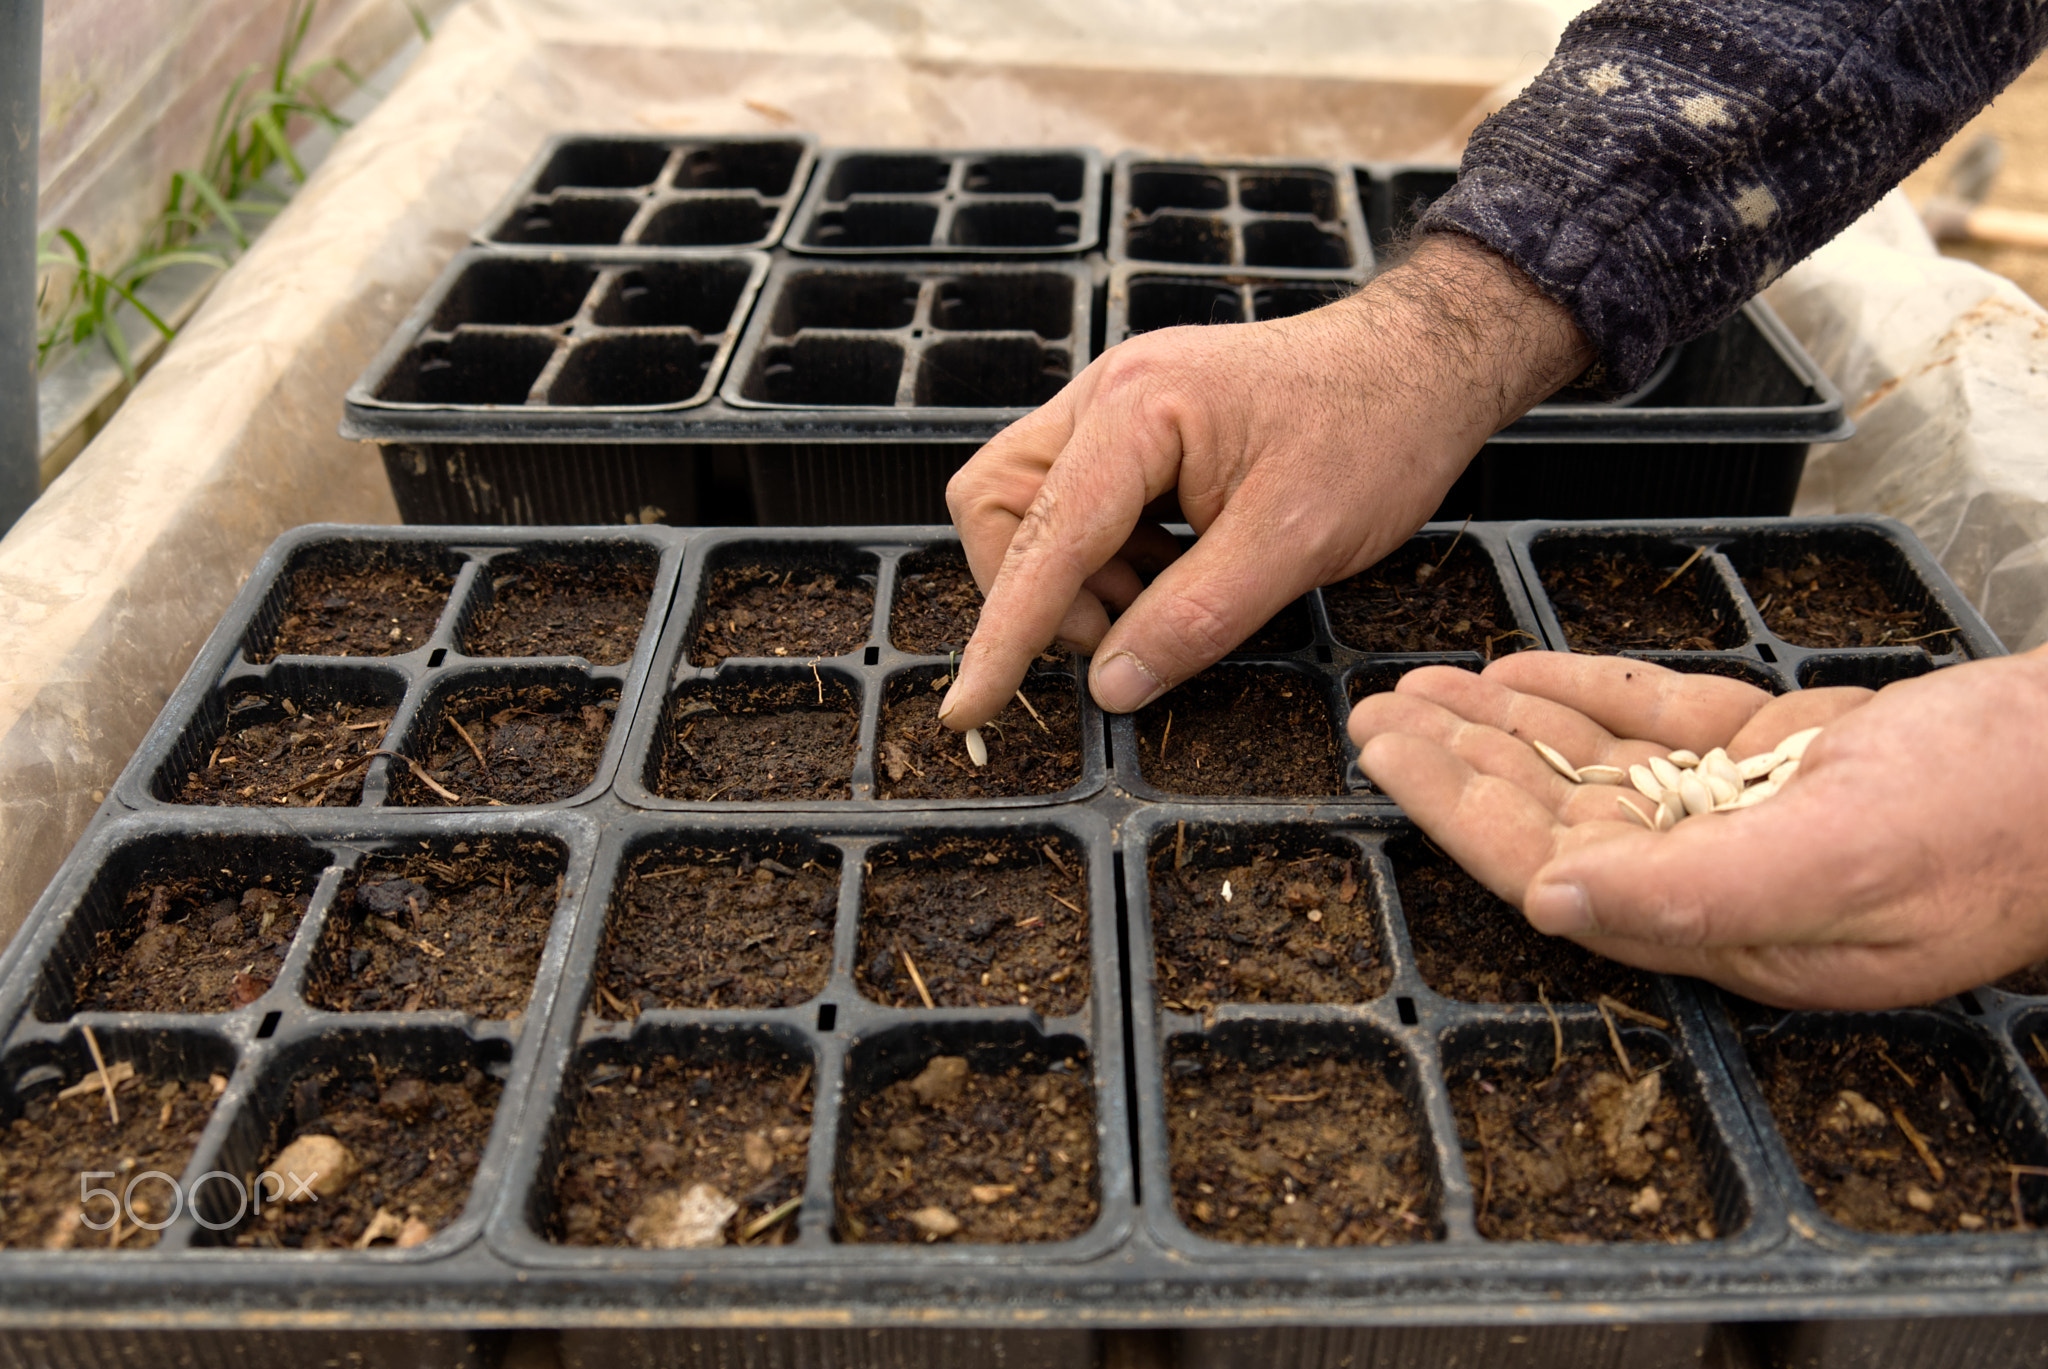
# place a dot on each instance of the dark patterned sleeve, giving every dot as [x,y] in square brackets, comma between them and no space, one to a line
[1677,155]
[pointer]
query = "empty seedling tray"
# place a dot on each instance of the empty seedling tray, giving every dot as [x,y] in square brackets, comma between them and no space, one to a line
[651,195]
[792,1012]
[987,202]
[1271,218]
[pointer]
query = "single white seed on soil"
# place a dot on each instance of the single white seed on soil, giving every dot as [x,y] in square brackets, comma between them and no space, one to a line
[1694,794]
[1602,774]
[1556,760]
[977,749]
[1645,782]
[1919,1199]
[1756,767]
[1226,891]
[1794,746]
[1666,773]
[935,1222]
[1685,760]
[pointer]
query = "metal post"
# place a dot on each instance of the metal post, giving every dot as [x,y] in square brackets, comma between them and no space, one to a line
[21,60]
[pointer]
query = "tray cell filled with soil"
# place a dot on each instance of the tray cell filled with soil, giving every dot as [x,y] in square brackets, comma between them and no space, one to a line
[352,600]
[980,1137]
[1473,946]
[1902,1124]
[1727,667]
[1434,594]
[762,605]
[302,739]
[683,1141]
[1286,631]
[1303,1135]
[375,1141]
[459,926]
[1033,746]
[765,736]
[1241,731]
[1299,923]
[724,926]
[1865,670]
[504,745]
[1637,594]
[937,603]
[984,921]
[181,924]
[164,1087]
[1852,588]
[1568,1137]
[592,606]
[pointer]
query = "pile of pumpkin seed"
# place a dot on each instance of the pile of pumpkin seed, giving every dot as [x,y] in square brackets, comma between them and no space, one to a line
[1685,784]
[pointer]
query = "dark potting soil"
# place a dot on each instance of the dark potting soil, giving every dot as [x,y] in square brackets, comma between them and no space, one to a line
[289,754]
[537,744]
[2031,980]
[1611,601]
[987,923]
[56,1139]
[921,758]
[1475,947]
[369,611]
[1318,1153]
[786,740]
[804,612]
[1257,733]
[1836,602]
[1296,928]
[414,1143]
[554,608]
[644,1136]
[937,604]
[698,928]
[1838,1104]
[459,927]
[1426,598]
[998,1157]
[192,943]
[1581,1153]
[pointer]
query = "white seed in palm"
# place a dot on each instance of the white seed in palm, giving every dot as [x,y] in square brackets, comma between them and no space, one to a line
[1794,746]
[1685,760]
[1694,794]
[1716,765]
[1723,789]
[1784,772]
[1645,782]
[1556,760]
[1602,774]
[1636,813]
[1665,772]
[1754,768]
[977,749]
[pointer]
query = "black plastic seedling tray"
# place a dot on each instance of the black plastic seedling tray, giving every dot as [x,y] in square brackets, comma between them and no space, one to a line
[810,1013]
[654,195]
[1277,218]
[980,202]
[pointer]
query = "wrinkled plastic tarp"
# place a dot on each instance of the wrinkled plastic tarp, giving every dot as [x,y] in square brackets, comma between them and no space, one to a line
[1945,369]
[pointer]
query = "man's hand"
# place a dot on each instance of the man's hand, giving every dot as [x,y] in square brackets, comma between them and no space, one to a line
[1907,859]
[1302,450]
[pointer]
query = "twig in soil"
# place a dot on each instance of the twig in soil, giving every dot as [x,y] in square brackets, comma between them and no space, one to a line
[1883,1055]
[1034,713]
[1485,1162]
[483,767]
[770,1218]
[916,978]
[1315,1097]
[819,680]
[330,776]
[1180,857]
[1503,636]
[1683,567]
[1938,632]
[2039,1049]
[796,1090]
[616,1006]
[429,947]
[1164,734]
[1919,1144]
[1635,1015]
[1556,1033]
[1062,902]
[1053,855]
[92,1043]
[1614,1039]
[1454,544]
[421,775]
[364,727]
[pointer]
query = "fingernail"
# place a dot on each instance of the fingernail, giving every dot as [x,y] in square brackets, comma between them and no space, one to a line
[946,704]
[1560,910]
[1122,684]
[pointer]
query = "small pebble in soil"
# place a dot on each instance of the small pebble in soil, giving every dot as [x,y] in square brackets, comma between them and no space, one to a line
[952,1153]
